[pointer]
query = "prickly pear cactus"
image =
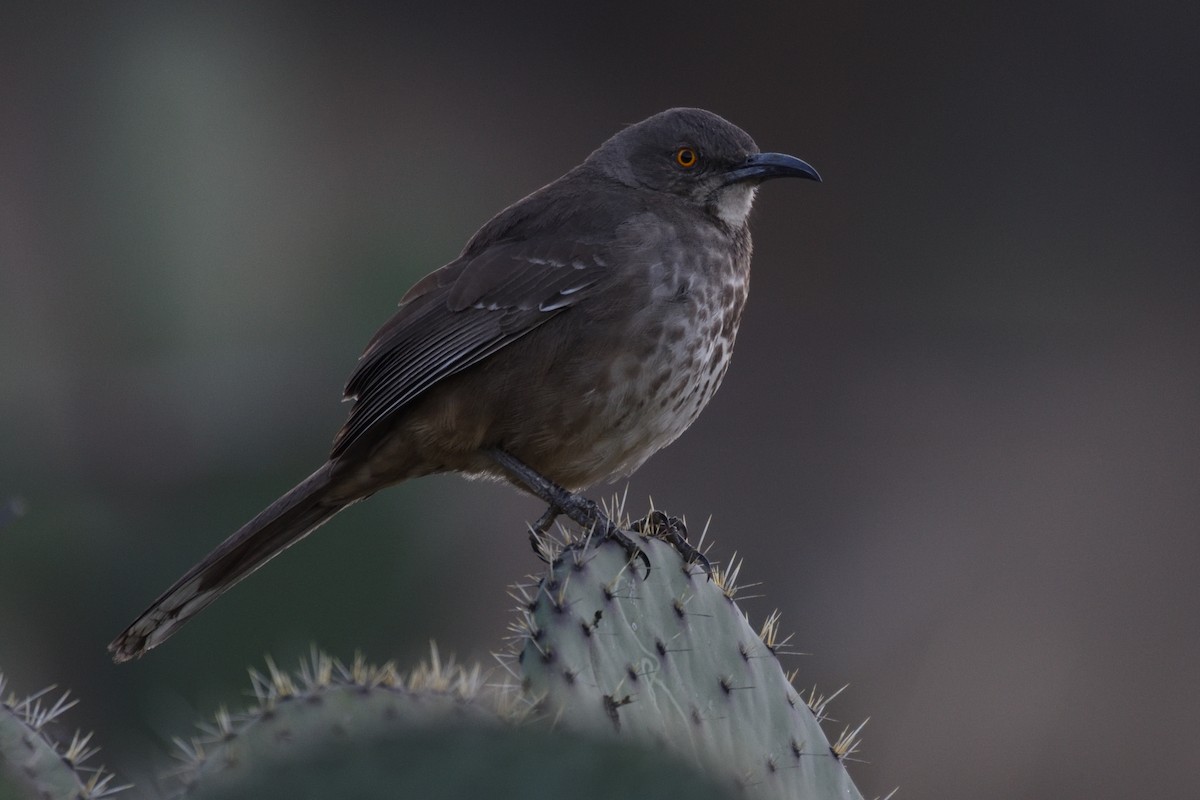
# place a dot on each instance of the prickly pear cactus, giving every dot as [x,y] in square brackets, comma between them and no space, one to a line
[670,658]
[333,731]
[34,766]
[298,716]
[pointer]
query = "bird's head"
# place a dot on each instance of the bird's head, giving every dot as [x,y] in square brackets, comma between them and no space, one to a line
[698,156]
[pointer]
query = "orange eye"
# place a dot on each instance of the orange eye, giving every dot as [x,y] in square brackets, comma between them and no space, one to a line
[686,157]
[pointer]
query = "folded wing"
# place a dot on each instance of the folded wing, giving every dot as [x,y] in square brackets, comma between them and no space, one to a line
[461,314]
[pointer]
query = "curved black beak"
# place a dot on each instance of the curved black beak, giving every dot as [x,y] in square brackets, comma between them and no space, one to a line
[764,166]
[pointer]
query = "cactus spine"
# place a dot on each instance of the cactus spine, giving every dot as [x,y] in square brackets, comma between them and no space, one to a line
[33,765]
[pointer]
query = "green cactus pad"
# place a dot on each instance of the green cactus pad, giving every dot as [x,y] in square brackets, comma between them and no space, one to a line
[297,717]
[364,732]
[670,658]
[34,766]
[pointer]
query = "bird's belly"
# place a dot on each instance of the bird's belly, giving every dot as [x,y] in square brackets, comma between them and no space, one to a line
[653,395]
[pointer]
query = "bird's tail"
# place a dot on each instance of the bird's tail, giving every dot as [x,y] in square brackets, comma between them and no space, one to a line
[285,522]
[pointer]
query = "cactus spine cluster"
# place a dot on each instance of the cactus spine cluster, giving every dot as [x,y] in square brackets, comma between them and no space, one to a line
[332,731]
[33,765]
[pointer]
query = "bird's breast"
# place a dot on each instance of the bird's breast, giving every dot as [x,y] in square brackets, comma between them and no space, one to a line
[677,354]
[630,368]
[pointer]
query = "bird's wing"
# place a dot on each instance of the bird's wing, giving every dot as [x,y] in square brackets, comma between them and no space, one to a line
[461,314]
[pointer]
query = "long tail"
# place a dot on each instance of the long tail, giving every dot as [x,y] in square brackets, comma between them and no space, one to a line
[285,522]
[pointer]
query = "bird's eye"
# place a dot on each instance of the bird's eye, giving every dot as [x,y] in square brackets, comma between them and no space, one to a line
[686,157]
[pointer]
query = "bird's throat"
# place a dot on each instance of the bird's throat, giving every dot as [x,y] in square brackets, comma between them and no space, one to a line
[732,204]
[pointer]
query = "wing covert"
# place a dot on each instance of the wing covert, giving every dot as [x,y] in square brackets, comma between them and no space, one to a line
[461,314]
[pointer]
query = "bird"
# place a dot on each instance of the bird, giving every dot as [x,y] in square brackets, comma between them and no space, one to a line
[579,331]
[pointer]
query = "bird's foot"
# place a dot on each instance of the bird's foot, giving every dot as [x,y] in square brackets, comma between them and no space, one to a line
[578,508]
[588,515]
[673,531]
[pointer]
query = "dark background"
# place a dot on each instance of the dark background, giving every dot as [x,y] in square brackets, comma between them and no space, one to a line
[959,445]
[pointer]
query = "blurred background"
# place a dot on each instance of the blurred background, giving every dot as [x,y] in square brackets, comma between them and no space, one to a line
[959,445]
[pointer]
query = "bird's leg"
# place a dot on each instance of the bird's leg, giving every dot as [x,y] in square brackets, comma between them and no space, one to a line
[578,508]
[560,501]
[673,531]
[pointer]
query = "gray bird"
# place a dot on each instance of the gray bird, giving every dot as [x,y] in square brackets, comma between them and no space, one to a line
[580,330]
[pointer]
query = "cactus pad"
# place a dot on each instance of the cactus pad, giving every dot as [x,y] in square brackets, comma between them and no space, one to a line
[333,731]
[33,765]
[670,658]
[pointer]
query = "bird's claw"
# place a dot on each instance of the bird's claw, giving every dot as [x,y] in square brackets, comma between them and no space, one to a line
[605,529]
[537,533]
[673,531]
[632,550]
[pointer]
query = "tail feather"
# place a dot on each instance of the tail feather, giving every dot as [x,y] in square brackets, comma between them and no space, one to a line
[285,522]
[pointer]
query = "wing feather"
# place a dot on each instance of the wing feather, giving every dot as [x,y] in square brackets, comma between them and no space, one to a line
[460,315]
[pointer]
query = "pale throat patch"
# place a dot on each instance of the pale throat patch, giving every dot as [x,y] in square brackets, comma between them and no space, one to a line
[734,202]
